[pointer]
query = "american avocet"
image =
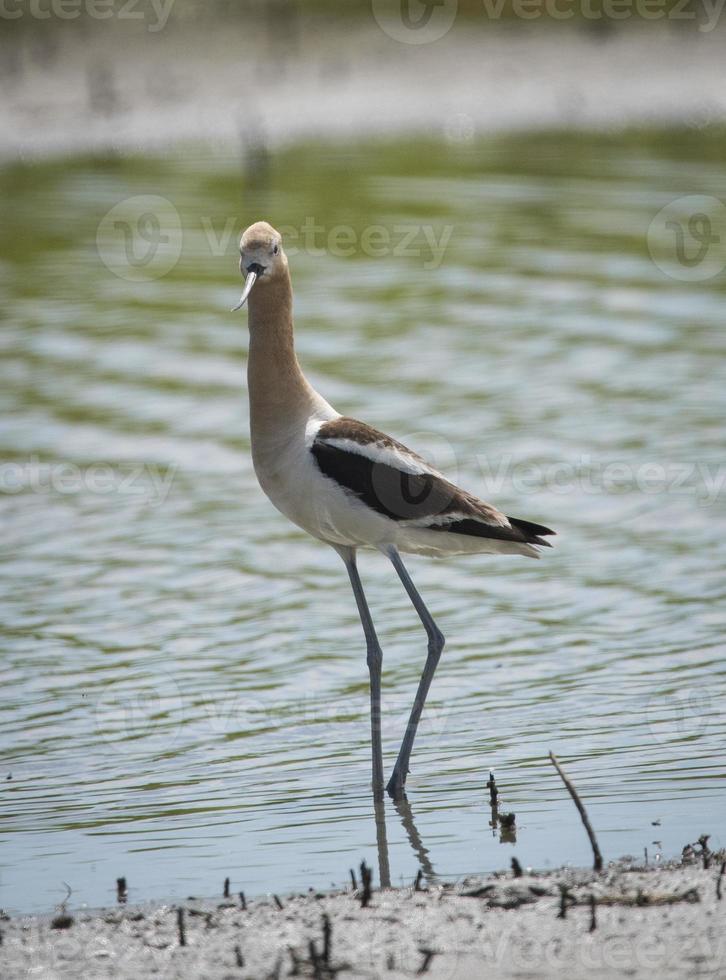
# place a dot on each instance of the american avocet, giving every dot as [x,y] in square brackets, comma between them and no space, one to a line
[349,485]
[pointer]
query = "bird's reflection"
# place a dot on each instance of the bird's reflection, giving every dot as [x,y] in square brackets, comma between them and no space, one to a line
[384,865]
[503,823]
[403,808]
[409,825]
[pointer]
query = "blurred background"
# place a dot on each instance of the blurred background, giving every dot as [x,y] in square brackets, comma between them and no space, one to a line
[507,235]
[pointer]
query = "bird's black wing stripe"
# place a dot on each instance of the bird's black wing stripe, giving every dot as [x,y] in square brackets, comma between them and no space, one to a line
[519,531]
[531,531]
[386,489]
[405,496]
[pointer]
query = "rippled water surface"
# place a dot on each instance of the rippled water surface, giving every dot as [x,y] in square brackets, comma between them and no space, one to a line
[184,691]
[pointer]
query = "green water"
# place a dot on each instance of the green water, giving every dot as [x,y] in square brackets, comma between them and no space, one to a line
[184,679]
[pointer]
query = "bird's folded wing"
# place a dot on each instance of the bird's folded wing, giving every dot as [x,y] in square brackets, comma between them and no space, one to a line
[394,481]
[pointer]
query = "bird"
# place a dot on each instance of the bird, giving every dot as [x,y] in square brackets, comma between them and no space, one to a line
[351,486]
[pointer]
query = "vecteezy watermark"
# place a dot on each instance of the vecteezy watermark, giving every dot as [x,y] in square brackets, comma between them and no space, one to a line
[614,10]
[687,238]
[706,482]
[147,480]
[153,711]
[401,240]
[459,128]
[140,238]
[160,710]
[155,13]
[683,715]
[412,241]
[424,21]
[415,21]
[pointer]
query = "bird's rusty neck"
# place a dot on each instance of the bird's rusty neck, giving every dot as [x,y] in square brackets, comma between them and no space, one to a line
[279,392]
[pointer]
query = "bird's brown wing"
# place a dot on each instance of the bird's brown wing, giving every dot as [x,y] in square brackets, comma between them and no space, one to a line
[394,481]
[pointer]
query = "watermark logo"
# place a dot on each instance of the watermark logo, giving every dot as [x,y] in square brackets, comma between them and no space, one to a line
[149,482]
[415,21]
[459,128]
[155,13]
[680,716]
[154,712]
[687,238]
[140,238]
[426,243]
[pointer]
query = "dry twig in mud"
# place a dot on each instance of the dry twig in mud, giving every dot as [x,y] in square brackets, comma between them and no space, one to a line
[565,899]
[493,792]
[597,863]
[428,955]
[63,920]
[366,877]
[643,898]
[180,926]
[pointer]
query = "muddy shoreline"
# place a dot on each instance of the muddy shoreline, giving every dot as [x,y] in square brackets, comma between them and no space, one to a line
[627,920]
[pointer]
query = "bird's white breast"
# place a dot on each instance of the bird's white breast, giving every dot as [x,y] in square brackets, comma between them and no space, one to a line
[290,476]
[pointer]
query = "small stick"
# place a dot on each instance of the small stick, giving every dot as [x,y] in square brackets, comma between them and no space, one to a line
[417,882]
[62,921]
[327,933]
[366,874]
[517,868]
[564,890]
[593,915]
[491,785]
[705,850]
[278,903]
[121,890]
[243,901]
[645,851]
[180,926]
[719,880]
[354,882]
[597,863]
[69,892]
[226,887]
[428,955]
[239,958]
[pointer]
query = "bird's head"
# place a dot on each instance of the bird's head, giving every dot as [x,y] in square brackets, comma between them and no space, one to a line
[262,259]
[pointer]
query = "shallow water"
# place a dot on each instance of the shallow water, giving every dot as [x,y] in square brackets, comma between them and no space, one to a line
[184,679]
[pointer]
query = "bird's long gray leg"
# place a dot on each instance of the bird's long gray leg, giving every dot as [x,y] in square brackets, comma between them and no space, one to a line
[397,781]
[374,657]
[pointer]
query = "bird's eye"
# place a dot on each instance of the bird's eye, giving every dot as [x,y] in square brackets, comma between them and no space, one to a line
[275,249]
